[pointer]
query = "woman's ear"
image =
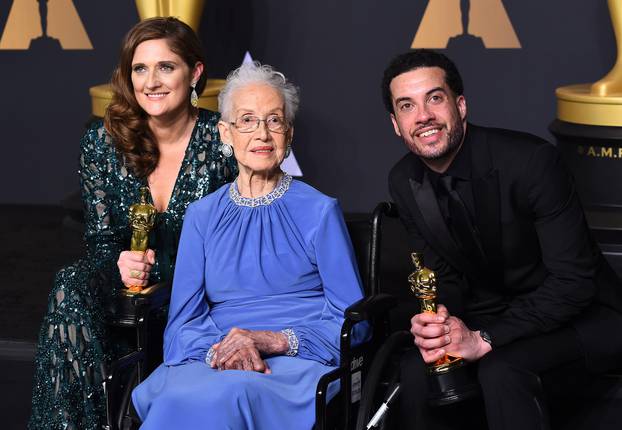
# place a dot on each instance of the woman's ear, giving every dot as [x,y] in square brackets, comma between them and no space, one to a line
[290,135]
[225,132]
[197,72]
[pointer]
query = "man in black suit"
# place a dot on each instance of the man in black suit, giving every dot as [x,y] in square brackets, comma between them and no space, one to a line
[524,288]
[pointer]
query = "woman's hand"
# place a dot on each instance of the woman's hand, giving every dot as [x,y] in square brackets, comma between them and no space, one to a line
[135,266]
[245,358]
[264,342]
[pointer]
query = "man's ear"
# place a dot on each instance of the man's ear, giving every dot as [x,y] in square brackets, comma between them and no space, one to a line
[395,126]
[462,107]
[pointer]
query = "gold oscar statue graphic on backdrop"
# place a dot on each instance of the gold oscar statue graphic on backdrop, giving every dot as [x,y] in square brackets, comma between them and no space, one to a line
[142,219]
[598,103]
[35,24]
[484,21]
[189,11]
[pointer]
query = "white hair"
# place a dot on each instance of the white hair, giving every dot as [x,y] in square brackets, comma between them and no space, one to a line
[257,73]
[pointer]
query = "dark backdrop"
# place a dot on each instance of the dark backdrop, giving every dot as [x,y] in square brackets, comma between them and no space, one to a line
[334,50]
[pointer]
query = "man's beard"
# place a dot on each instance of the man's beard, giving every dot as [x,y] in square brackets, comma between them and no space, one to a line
[454,139]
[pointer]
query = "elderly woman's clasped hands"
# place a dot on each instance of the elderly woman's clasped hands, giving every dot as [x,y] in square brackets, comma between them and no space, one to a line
[243,349]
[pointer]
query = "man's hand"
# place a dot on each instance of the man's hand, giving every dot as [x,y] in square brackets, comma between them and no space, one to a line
[439,334]
[239,345]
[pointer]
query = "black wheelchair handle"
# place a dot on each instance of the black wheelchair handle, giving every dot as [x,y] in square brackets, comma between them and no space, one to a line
[371,306]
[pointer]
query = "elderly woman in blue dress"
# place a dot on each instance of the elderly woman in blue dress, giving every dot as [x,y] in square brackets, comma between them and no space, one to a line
[264,272]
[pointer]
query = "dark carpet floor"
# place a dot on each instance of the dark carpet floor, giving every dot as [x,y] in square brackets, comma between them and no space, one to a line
[15,392]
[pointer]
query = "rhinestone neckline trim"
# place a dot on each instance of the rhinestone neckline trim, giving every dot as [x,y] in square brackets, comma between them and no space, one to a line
[278,192]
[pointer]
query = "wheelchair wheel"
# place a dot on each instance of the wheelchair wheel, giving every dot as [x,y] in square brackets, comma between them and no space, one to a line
[382,378]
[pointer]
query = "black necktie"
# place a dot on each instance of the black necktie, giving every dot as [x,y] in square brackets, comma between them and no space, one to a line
[460,222]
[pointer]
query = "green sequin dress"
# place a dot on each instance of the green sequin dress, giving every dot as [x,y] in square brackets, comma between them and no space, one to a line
[73,353]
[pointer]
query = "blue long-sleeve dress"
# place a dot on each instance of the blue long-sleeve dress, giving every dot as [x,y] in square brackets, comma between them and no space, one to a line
[283,261]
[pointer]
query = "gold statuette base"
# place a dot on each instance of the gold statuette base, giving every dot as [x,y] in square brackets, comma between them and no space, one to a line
[188,11]
[446,364]
[133,289]
[577,104]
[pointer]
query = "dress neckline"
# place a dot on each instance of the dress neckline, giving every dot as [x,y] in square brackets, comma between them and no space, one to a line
[183,166]
[265,200]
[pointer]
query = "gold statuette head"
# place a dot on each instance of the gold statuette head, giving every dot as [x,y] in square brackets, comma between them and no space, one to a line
[142,219]
[423,283]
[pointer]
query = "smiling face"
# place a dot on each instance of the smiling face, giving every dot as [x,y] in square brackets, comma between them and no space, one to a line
[428,116]
[161,79]
[261,151]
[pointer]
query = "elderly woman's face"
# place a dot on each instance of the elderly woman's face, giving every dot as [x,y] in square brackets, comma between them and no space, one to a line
[161,78]
[262,150]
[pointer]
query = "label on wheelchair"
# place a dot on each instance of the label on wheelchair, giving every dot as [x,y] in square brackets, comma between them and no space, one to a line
[356,363]
[356,387]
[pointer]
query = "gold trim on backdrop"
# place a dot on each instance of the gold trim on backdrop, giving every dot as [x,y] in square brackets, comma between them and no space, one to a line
[599,103]
[101,95]
[189,11]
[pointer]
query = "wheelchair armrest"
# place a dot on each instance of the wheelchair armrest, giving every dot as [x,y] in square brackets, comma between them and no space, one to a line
[326,379]
[320,397]
[370,306]
[124,362]
[126,310]
[153,297]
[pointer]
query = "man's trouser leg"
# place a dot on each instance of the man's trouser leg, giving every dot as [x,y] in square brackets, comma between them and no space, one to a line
[510,379]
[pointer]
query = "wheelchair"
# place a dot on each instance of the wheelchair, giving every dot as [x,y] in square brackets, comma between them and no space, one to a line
[143,317]
[144,313]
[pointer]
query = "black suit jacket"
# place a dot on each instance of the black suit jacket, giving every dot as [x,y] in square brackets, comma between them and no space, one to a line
[542,270]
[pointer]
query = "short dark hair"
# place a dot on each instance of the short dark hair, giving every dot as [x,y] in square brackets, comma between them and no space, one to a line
[415,59]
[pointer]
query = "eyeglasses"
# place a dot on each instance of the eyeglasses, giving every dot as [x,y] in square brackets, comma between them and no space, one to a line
[250,123]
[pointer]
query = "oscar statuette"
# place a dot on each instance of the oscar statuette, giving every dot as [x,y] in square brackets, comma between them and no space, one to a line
[449,379]
[142,218]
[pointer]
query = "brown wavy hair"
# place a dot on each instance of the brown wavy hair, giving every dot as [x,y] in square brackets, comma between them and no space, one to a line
[125,120]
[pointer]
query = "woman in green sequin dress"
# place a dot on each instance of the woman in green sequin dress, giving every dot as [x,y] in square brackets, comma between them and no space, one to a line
[151,135]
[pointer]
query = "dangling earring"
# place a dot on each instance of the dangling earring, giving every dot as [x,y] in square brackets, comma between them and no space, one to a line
[194,98]
[226,149]
[288,150]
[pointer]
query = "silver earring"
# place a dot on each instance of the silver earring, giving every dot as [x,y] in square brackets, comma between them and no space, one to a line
[194,98]
[226,149]
[288,150]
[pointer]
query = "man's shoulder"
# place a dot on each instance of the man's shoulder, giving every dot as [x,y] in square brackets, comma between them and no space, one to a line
[505,138]
[404,168]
